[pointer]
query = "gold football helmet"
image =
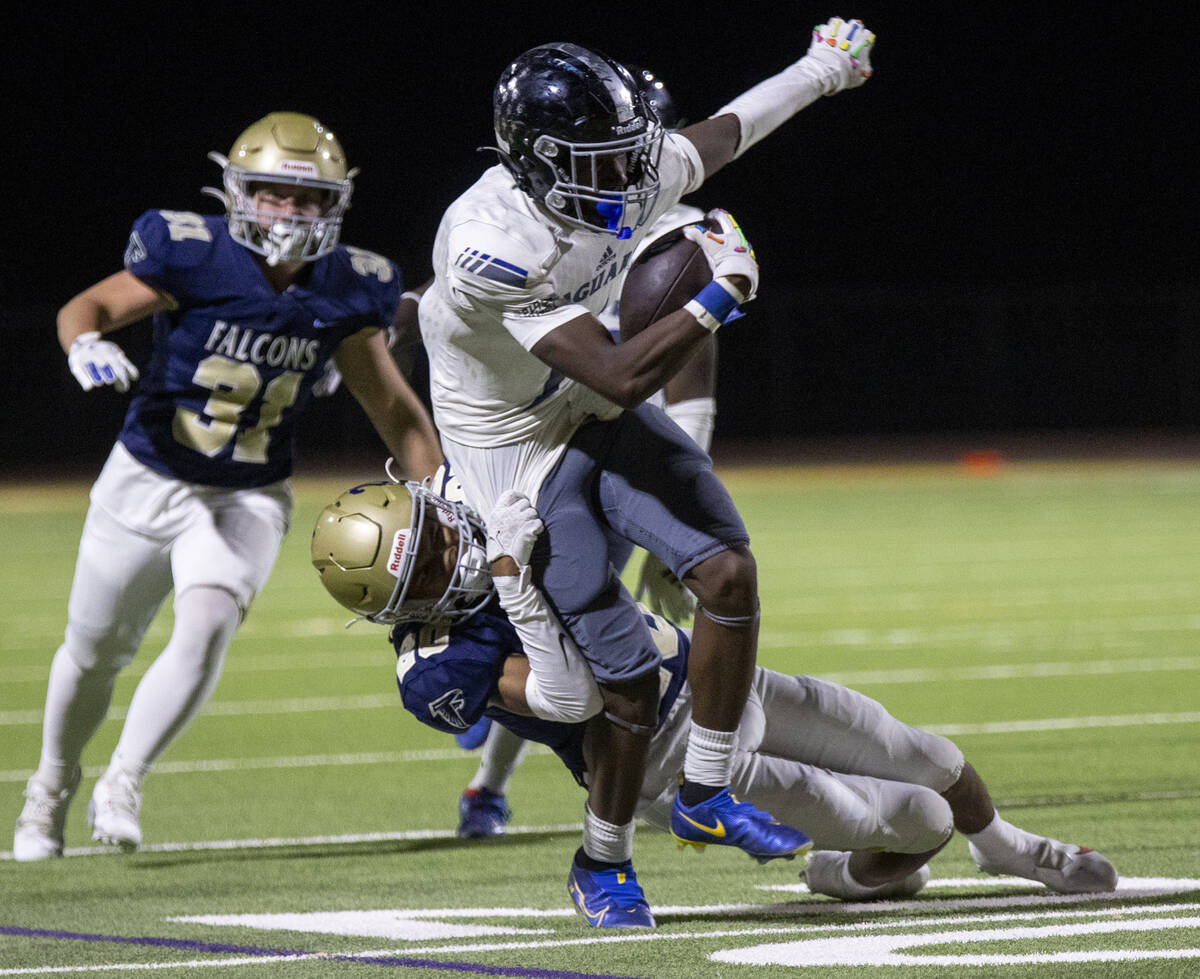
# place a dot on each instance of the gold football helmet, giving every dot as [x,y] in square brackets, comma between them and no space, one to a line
[285,148]
[375,540]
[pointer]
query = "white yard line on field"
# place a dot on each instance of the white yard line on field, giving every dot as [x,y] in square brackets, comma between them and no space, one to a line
[292,761]
[340,839]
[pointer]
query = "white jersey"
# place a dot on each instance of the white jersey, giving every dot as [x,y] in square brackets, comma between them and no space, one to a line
[507,273]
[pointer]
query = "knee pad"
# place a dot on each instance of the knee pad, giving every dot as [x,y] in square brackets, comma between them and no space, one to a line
[924,821]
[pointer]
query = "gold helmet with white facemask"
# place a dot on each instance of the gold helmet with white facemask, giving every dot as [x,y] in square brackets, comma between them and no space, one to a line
[285,148]
[370,543]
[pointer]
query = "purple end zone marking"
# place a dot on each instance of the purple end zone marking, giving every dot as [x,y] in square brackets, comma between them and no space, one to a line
[191,945]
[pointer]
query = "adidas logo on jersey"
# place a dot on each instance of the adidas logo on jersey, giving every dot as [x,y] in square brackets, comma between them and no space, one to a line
[604,276]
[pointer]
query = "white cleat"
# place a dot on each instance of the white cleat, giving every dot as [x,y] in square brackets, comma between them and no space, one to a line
[39,832]
[1063,867]
[113,811]
[826,874]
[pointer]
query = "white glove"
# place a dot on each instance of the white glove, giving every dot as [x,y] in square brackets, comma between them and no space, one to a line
[661,592]
[328,382]
[839,55]
[513,528]
[96,362]
[727,250]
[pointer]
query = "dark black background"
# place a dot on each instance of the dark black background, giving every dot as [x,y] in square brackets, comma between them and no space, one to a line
[995,235]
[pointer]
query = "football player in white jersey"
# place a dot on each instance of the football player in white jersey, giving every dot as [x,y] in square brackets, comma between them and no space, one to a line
[880,797]
[689,400]
[531,394]
[248,309]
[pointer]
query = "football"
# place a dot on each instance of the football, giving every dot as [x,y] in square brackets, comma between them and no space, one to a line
[666,275]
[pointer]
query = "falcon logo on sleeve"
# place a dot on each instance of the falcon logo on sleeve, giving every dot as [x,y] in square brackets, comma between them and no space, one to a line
[448,708]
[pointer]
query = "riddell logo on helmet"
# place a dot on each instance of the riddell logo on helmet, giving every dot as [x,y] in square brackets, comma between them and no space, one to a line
[397,555]
[634,125]
[303,168]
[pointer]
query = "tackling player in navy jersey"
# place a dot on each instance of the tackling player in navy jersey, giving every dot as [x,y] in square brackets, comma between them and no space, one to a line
[248,309]
[880,797]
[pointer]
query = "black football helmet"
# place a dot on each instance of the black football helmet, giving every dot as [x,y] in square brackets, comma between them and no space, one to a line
[654,91]
[575,132]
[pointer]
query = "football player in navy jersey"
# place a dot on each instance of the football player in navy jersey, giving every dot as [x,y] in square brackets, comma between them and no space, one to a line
[880,797]
[247,310]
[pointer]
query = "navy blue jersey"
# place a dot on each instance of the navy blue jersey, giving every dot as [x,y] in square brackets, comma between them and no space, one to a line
[447,677]
[234,363]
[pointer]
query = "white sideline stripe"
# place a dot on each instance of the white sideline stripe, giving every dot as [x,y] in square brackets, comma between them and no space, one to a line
[238,708]
[332,840]
[1155,911]
[931,674]
[1014,671]
[350,703]
[457,754]
[1064,723]
[292,761]
[997,671]
[377,658]
[1038,905]
[1046,630]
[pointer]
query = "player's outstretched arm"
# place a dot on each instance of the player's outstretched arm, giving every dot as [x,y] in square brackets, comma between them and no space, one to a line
[838,58]
[559,685]
[393,407]
[108,305]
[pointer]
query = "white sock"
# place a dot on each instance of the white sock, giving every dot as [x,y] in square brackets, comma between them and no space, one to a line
[709,756]
[606,841]
[76,702]
[1006,847]
[183,676]
[502,752]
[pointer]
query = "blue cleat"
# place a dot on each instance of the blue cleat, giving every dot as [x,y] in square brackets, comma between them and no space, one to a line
[609,898]
[725,821]
[475,735]
[481,813]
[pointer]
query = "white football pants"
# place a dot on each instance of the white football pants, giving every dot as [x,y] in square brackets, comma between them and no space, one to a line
[827,760]
[144,534]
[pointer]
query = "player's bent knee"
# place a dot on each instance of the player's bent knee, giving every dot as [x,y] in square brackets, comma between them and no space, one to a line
[726,583]
[632,703]
[944,760]
[108,651]
[924,822]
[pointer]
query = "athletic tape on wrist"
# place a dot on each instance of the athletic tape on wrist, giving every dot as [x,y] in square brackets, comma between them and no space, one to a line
[712,305]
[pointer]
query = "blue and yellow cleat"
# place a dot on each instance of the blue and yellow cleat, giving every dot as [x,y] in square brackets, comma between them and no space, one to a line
[481,813]
[609,898]
[725,821]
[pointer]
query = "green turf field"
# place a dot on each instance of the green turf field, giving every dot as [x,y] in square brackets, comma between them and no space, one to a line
[1046,617]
